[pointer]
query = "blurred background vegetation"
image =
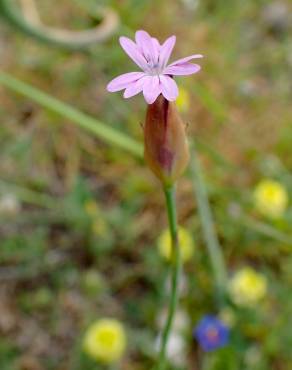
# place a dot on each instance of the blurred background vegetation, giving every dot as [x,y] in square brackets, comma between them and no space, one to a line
[80,219]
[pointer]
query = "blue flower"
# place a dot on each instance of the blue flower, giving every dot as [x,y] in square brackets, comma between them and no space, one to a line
[211,333]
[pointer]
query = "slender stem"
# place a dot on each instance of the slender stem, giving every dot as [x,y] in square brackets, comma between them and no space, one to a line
[176,266]
[213,246]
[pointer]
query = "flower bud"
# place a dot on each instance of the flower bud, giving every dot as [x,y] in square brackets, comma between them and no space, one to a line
[165,144]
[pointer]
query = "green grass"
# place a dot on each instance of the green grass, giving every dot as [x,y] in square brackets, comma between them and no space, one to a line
[80,239]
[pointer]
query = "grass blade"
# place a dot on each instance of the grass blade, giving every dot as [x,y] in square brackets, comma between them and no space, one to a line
[99,129]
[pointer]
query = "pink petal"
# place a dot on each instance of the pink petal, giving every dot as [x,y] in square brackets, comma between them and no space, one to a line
[166,50]
[151,89]
[155,51]
[144,42]
[133,52]
[156,44]
[182,69]
[123,81]
[186,59]
[134,88]
[169,88]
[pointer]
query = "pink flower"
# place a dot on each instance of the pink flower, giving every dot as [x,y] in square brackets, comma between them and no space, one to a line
[157,76]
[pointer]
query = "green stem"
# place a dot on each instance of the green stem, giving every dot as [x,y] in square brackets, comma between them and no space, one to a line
[176,266]
[213,246]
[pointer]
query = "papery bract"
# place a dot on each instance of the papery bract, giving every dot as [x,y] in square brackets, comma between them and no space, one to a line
[165,143]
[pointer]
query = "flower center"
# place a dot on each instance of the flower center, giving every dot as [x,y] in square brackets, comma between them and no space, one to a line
[212,334]
[106,338]
[154,69]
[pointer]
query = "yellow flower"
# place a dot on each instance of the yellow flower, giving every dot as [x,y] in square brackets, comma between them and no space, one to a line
[183,100]
[105,340]
[247,287]
[271,198]
[186,244]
